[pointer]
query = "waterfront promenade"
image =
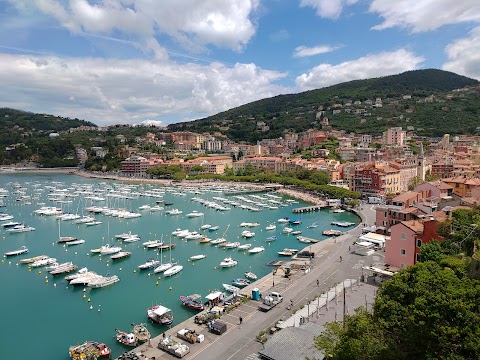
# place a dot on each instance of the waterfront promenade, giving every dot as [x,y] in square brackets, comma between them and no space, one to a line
[239,342]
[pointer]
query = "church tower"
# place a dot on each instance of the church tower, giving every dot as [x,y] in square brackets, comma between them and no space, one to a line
[421,170]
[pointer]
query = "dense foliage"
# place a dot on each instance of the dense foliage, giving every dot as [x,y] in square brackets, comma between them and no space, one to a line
[430,310]
[298,112]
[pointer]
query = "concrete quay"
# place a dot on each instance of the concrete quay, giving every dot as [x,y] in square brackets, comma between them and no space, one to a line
[333,263]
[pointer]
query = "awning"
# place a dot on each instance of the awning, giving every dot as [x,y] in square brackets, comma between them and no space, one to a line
[365,243]
[161,310]
[377,270]
[214,295]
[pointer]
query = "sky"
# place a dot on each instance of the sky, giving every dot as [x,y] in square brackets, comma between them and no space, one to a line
[166,61]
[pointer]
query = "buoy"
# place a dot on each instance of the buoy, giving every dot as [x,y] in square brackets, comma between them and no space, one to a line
[84,289]
[99,259]
[84,296]
[75,253]
[159,278]
[54,285]
[135,270]
[16,264]
[88,299]
[46,277]
[120,269]
[3,260]
[46,281]
[188,260]
[91,307]
[164,256]
[156,283]
[214,268]
[149,274]
[193,264]
[170,288]
[39,272]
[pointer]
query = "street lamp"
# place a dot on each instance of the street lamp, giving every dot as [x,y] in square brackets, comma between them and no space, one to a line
[273,277]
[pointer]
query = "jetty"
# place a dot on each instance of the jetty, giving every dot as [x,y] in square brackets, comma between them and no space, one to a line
[309,208]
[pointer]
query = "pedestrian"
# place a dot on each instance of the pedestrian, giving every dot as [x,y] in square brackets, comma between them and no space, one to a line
[240,319]
[318,283]
[163,335]
[341,259]
[349,248]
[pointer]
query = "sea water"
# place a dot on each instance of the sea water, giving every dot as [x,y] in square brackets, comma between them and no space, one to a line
[42,316]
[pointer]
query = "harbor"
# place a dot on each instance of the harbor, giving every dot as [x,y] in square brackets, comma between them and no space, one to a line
[97,312]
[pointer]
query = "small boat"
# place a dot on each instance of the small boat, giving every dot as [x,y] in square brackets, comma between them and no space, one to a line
[32,259]
[194,213]
[213,228]
[248,234]
[75,242]
[204,240]
[93,223]
[11,224]
[193,301]
[173,270]
[160,314]
[287,252]
[152,244]
[193,236]
[89,350]
[130,239]
[218,241]
[205,226]
[103,281]
[283,220]
[230,288]
[20,228]
[156,208]
[296,232]
[312,226]
[20,251]
[84,220]
[111,250]
[338,211]
[342,223]
[271,238]
[251,276]
[228,262]
[256,250]
[241,283]
[144,207]
[198,257]
[173,211]
[271,227]
[125,338]
[332,232]
[120,255]
[232,245]
[178,231]
[244,247]
[150,263]
[287,230]
[65,239]
[141,332]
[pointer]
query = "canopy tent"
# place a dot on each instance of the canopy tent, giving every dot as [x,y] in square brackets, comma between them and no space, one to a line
[377,239]
[214,295]
[161,310]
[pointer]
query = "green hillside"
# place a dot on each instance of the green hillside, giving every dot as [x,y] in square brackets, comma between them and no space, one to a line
[298,112]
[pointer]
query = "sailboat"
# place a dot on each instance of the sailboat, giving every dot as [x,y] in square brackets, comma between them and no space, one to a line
[222,239]
[64,239]
[163,267]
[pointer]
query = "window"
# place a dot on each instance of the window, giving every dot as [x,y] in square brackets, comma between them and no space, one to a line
[403,252]
[404,236]
[419,242]
[417,258]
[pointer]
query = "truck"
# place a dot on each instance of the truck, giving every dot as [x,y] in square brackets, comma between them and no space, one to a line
[270,301]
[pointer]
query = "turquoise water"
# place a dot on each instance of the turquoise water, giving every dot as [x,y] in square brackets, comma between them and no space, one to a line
[47,317]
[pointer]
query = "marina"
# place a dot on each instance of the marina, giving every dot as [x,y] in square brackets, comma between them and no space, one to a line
[96,312]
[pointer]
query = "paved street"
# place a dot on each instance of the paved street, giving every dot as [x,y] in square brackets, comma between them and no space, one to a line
[239,342]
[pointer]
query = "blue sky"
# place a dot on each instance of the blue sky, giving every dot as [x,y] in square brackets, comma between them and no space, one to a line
[164,61]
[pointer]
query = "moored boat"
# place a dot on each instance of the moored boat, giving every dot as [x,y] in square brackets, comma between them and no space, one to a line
[256,250]
[193,301]
[173,270]
[244,247]
[160,315]
[20,251]
[251,276]
[230,288]
[32,259]
[271,238]
[103,281]
[228,262]
[150,263]
[198,257]
[89,350]
[240,282]
[141,332]
[120,255]
[125,338]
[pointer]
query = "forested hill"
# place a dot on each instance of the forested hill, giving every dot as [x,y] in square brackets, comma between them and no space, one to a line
[403,97]
[9,118]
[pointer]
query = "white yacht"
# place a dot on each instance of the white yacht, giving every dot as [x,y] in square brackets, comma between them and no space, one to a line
[111,250]
[174,212]
[20,228]
[271,227]
[152,244]
[194,213]
[193,236]
[228,262]
[150,263]
[256,250]
[244,247]
[103,281]
[248,234]
[173,270]
[287,230]
[163,267]
[232,245]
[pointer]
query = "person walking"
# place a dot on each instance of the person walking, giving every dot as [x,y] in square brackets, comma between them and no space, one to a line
[341,259]
[241,320]
[318,283]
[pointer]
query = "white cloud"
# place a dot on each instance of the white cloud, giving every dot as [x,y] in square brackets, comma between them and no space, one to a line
[303,51]
[464,55]
[156,123]
[195,24]
[328,8]
[425,15]
[110,91]
[374,65]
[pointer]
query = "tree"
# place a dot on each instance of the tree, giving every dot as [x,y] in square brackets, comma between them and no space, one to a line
[197,168]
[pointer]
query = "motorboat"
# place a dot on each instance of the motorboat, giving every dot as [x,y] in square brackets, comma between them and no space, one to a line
[205,239]
[173,270]
[205,227]
[304,239]
[284,220]
[100,249]
[287,252]
[150,263]
[120,255]
[193,236]
[241,283]
[194,213]
[63,269]
[75,242]
[296,232]
[93,223]
[332,232]
[160,314]
[193,301]
[173,211]
[248,234]
[287,230]
[43,262]
[166,246]
[156,208]
[89,350]
[232,245]
[32,259]
[271,238]
[271,227]
[184,233]
[84,220]
[111,250]
[256,250]
[244,247]
[141,332]
[130,239]
[65,239]
[178,231]
[228,262]
[251,276]
[198,257]
[312,226]
[5,217]
[78,274]
[56,265]
[152,244]
[214,228]
[342,223]
[231,288]
[20,251]
[126,236]
[218,241]
[125,338]
[249,224]
[20,228]
[84,279]
[295,221]
[163,267]
[338,211]
[144,207]
[103,281]
[11,224]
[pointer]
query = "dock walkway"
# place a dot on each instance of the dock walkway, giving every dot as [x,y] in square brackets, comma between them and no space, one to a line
[309,208]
